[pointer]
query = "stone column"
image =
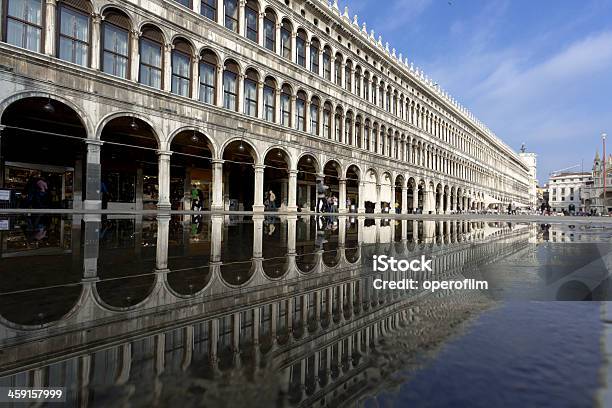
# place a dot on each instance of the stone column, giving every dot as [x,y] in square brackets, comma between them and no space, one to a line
[361,206]
[134,55]
[291,202]
[342,74]
[50,28]
[241,20]
[93,174]
[240,93]
[260,100]
[168,67]
[163,180]
[415,198]
[352,90]
[277,37]
[195,77]
[260,29]
[219,86]
[307,116]
[292,115]
[259,180]
[307,61]
[294,48]
[96,21]
[217,185]
[342,195]
[404,200]
[277,106]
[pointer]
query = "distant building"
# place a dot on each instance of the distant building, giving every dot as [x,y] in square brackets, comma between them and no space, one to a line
[594,194]
[566,190]
[530,160]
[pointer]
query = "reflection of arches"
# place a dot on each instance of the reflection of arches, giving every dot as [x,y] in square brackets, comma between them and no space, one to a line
[190,280]
[238,273]
[124,293]
[574,290]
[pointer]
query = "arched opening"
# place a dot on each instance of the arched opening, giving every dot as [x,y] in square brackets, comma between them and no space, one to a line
[421,195]
[231,70]
[116,42]
[300,111]
[439,198]
[306,183]
[182,55]
[314,113]
[327,118]
[276,180]
[386,193]
[300,48]
[238,176]
[286,30]
[352,188]
[270,99]
[270,30]
[191,171]
[398,203]
[410,196]
[251,20]
[74,26]
[338,69]
[315,47]
[43,154]
[370,190]
[251,79]
[150,71]
[129,165]
[331,172]
[327,63]
[285,101]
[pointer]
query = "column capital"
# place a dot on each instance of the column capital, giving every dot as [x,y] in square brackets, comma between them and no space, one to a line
[96,18]
[135,33]
[51,2]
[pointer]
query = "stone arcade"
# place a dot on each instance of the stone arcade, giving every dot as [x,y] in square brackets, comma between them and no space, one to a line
[136,103]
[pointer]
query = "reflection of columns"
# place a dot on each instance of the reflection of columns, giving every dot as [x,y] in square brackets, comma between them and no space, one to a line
[163,232]
[93,175]
[163,179]
[404,200]
[377,203]
[257,235]
[217,185]
[291,202]
[50,28]
[125,361]
[342,195]
[361,206]
[91,246]
[259,180]
[291,234]
[216,238]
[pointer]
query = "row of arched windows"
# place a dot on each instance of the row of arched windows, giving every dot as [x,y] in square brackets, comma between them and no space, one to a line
[176,68]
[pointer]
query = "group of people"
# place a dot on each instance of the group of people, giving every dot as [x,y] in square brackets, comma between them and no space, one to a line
[326,202]
[197,198]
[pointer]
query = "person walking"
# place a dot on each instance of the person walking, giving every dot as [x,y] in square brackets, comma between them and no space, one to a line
[321,200]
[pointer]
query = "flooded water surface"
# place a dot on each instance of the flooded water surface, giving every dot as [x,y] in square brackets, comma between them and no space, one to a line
[284,311]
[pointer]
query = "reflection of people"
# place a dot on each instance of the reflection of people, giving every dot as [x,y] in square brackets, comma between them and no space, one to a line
[321,200]
[104,194]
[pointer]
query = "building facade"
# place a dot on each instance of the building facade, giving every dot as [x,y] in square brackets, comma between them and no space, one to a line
[131,105]
[531,160]
[594,200]
[566,191]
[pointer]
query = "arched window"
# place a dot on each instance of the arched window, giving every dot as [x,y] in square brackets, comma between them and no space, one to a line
[151,57]
[327,63]
[338,69]
[366,135]
[250,92]
[383,141]
[24,24]
[270,99]
[396,146]
[366,85]
[208,8]
[300,48]
[388,101]
[381,93]
[327,120]
[231,15]
[286,30]
[347,76]
[270,31]
[300,111]
[115,44]
[181,68]
[358,81]
[73,45]
[314,56]
[230,85]
[286,105]
[314,116]
[251,18]
[208,77]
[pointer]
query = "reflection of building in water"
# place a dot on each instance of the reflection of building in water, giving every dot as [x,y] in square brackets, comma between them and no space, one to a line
[275,293]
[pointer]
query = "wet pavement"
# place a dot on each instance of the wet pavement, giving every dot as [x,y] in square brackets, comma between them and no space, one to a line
[281,311]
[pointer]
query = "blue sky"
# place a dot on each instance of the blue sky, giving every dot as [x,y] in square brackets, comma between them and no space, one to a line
[537,71]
